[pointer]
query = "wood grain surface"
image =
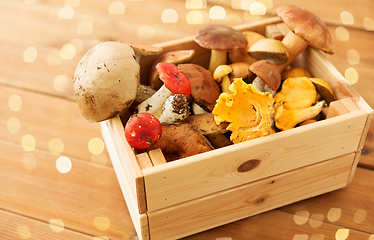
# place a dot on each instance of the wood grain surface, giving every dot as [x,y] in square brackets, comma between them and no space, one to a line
[56,178]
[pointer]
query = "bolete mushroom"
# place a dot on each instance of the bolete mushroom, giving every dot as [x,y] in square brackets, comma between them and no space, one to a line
[306,29]
[268,77]
[204,89]
[175,82]
[106,80]
[142,130]
[269,49]
[219,39]
[180,140]
[241,55]
[221,75]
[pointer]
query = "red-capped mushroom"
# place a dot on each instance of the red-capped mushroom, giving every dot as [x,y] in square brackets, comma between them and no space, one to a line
[175,82]
[143,130]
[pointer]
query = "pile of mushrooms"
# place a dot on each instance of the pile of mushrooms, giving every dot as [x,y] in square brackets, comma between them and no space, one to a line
[248,91]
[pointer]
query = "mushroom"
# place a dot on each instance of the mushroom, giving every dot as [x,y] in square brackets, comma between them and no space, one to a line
[306,29]
[269,49]
[247,110]
[144,50]
[219,39]
[175,82]
[174,57]
[174,109]
[106,80]
[241,70]
[221,75]
[204,89]
[241,55]
[267,74]
[324,89]
[180,140]
[295,72]
[295,103]
[142,130]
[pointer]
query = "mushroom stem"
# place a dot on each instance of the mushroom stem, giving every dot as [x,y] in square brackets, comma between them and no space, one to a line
[261,86]
[174,109]
[295,46]
[154,104]
[217,57]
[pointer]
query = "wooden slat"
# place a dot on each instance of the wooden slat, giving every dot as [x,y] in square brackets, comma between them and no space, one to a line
[157,157]
[144,160]
[249,199]
[193,177]
[14,226]
[31,186]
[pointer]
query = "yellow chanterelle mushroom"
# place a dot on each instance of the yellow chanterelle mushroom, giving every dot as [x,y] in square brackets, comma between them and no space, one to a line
[246,109]
[296,102]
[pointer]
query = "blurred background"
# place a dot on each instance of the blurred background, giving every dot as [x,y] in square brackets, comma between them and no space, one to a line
[57,181]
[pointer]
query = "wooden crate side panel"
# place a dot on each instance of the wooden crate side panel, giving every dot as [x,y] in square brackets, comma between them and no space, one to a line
[214,171]
[130,166]
[250,199]
[140,221]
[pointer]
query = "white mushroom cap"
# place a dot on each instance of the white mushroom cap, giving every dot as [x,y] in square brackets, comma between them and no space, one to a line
[174,109]
[106,80]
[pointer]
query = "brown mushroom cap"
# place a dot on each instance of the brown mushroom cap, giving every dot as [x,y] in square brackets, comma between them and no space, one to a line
[145,49]
[307,26]
[181,140]
[220,37]
[204,89]
[269,49]
[268,72]
[106,80]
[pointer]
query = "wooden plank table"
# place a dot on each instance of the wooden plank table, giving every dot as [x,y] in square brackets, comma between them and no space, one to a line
[56,178]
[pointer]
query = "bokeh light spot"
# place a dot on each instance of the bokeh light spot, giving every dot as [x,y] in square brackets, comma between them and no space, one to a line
[57,225]
[85,25]
[28,143]
[66,12]
[316,220]
[342,33]
[217,13]
[169,16]
[300,237]
[56,146]
[346,17]
[342,234]
[63,164]
[368,24]
[61,83]
[78,44]
[267,3]
[29,161]
[96,146]
[54,57]
[197,17]
[353,57]
[371,237]
[23,232]
[334,214]
[146,32]
[13,125]
[234,19]
[67,52]
[195,4]
[101,223]
[15,103]
[360,216]
[117,7]
[257,8]
[30,54]
[301,217]
[351,75]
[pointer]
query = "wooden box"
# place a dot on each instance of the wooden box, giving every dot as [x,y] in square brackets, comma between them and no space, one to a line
[190,195]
